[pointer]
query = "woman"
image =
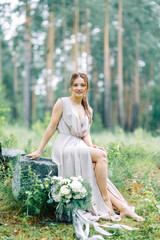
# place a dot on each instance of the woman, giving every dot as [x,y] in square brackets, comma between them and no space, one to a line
[75,154]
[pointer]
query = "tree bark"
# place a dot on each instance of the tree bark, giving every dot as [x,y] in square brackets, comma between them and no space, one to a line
[27,67]
[34,101]
[15,82]
[107,73]
[148,96]
[135,118]
[50,61]
[95,99]
[76,26]
[120,68]
[128,104]
[64,50]
[88,45]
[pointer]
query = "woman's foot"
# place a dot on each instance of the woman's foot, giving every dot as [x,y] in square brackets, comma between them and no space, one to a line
[129,212]
[109,206]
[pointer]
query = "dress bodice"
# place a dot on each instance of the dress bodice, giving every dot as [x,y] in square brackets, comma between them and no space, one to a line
[70,123]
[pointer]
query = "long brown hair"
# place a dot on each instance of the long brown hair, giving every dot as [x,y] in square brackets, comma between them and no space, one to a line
[85,103]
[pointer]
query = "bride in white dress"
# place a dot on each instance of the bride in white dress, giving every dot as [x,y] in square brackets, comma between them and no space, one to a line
[75,154]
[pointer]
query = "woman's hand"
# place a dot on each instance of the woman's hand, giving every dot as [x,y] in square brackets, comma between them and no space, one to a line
[34,155]
[97,147]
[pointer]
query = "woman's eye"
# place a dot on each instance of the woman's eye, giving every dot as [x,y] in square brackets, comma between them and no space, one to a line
[83,85]
[75,85]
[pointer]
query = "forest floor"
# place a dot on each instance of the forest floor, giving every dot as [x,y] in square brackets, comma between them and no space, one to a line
[134,163]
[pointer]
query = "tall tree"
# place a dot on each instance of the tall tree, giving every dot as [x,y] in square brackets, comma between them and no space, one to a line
[88,45]
[27,66]
[120,67]
[64,49]
[135,117]
[107,73]
[49,59]
[149,86]
[76,27]
[15,81]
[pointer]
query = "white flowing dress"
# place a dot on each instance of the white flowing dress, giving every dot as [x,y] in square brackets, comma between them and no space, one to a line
[73,157]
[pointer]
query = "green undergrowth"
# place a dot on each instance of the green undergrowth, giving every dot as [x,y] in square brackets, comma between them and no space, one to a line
[134,167]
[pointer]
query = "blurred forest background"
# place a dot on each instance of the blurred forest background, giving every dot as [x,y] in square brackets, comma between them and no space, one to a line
[117,43]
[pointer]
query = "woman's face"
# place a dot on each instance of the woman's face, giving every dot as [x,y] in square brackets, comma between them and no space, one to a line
[79,87]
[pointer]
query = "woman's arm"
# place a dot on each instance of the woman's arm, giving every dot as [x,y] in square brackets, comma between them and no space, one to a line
[56,115]
[87,139]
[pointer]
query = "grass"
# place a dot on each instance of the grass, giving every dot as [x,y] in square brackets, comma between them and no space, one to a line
[135,170]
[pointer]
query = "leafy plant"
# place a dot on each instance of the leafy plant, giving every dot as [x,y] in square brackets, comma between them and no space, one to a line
[34,193]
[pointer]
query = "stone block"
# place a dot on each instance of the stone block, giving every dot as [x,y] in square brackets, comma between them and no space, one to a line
[25,170]
[11,155]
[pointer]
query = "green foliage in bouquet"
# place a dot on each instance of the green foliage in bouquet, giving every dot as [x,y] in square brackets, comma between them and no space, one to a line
[70,194]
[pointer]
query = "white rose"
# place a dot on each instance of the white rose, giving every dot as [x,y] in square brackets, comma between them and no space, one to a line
[76,185]
[64,181]
[69,196]
[53,189]
[74,178]
[83,190]
[55,178]
[64,190]
[77,196]
[80,178]
[57,197]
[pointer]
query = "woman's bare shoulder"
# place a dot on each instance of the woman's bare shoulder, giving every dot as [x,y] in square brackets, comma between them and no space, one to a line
[58,104]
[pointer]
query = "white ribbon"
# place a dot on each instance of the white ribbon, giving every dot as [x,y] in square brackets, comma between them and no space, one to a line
[80,220]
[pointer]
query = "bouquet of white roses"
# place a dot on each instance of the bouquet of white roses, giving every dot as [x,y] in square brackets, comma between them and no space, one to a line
[69,193]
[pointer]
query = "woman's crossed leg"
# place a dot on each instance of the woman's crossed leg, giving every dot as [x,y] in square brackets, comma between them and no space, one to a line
[99,157]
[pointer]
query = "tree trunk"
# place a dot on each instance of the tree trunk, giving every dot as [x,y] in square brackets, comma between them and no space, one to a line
[107,73]
[142,106]
[120,68]
[76,25]
[88,45]
[148,96]
[50,61]
[64,50]
[27,67]
[34,100]
[135,118]
[128,104]
[126,99]
[114,96]
[82,47]
[95,99]
[15,82]
[0,61]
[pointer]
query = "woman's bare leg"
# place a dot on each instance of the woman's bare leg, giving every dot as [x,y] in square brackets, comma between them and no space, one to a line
[125,210]
[99,157]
